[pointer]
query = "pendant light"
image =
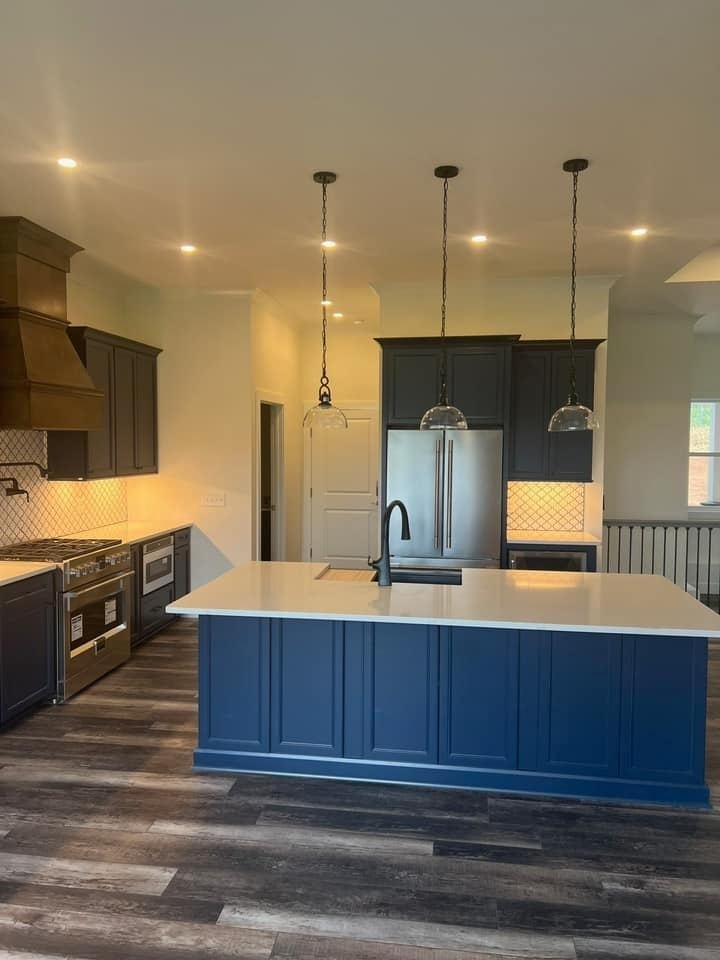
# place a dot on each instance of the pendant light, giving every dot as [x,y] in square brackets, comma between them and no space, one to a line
[443,416]
[573,415]
[324,414]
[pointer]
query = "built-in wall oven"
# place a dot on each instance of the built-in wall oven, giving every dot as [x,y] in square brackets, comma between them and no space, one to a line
[158,564]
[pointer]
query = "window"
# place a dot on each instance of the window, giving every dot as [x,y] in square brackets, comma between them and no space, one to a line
[704,467]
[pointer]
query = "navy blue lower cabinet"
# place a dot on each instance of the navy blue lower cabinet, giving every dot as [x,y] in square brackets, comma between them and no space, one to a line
[392,678]
[572,719]
[307,687]
[234,708]
[479,697]
[591,715]
[663,713]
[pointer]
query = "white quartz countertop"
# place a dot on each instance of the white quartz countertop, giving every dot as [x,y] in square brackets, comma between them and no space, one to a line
[131,532]
[513,599]
[560,537]
[13,570]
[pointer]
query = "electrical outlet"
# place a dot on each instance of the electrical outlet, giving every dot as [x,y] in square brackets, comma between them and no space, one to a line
[212,500]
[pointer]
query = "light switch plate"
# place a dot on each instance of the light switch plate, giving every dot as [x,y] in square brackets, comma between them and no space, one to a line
[212,500]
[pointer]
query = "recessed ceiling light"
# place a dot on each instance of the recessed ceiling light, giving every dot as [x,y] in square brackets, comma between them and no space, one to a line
[357,322]
[338,316]
[188,248]
[67,162]
[639,232]
[328,244]
[326,303]
[479,238]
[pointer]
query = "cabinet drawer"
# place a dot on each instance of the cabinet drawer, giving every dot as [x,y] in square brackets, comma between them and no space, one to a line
[28,593]
[152,608]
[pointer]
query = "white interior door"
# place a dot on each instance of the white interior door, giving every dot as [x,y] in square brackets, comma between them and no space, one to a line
[343,497]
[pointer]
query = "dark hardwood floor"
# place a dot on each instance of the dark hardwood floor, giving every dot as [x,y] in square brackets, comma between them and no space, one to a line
[110,847]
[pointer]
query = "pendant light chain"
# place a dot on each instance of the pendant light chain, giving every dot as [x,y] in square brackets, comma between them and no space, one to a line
[324,381]
[573,395]
[443,305]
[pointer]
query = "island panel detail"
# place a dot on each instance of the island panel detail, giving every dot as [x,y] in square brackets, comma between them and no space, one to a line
[606,716]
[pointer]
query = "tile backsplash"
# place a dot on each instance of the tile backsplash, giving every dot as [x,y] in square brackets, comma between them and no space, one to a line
[57,508]
[545,506]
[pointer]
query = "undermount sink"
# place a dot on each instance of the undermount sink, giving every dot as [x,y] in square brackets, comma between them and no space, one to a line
[448,576]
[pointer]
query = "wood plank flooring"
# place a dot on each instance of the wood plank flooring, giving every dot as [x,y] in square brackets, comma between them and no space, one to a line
[111,848]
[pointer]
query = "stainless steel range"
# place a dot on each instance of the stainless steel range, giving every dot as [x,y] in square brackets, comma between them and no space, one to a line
[94,605]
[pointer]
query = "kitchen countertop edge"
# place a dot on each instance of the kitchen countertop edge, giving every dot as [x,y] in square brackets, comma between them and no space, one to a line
[11,571]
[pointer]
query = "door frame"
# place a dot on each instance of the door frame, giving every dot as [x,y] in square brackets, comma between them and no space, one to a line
[307,473]
[277,402]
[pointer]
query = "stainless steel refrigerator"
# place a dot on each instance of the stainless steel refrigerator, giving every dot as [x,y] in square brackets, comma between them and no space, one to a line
[451,483]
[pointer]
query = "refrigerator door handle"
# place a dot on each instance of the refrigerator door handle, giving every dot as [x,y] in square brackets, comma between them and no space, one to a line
[438,480]
[450,495]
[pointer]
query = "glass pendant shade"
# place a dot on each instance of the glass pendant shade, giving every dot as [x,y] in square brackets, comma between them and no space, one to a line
[443,417]
[326,416]
[573,416]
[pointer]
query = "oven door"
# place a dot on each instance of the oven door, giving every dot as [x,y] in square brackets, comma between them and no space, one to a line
[157,564]
[96,632]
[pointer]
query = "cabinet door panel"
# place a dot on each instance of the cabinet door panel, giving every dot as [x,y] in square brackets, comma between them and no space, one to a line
[101,443]
[664,701]
[145,414]
[307,687]
[125,411]
[479,697]
[529,404]
[27,646]
[578,703]
[182,571]
[235,683]
[476,380]
[411,382]
[570,454]
[400,700]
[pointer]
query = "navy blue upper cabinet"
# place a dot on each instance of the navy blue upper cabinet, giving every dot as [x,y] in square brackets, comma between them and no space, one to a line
[126,445]
[411,381]
[479,697]
[477,376]
[540,378]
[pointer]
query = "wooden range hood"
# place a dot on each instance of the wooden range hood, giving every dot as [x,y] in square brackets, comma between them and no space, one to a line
[43,383]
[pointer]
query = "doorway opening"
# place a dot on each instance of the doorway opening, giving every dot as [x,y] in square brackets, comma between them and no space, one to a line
[270,481]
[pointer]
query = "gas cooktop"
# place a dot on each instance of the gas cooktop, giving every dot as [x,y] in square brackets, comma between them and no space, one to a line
[54,549]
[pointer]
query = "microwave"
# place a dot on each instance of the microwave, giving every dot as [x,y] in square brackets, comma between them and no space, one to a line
[158,568]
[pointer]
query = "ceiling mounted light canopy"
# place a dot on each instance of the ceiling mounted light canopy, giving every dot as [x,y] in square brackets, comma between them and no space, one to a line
[444,416]
[324,414]
[573,415]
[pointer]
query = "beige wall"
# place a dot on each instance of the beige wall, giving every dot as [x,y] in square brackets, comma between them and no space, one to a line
[275,358]
[98,297]
[205,422]
[353,365]
[647,416]
[706,367]
[535,308]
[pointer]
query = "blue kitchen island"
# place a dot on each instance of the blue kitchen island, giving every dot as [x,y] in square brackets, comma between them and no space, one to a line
[582,685]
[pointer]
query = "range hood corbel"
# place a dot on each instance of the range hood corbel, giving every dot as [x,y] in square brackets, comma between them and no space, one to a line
[43,383]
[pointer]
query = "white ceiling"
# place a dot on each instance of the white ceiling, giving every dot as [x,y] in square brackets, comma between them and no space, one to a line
[203,120]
